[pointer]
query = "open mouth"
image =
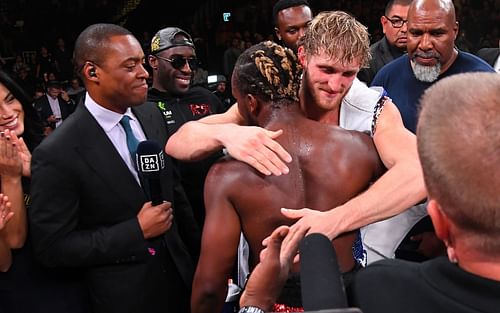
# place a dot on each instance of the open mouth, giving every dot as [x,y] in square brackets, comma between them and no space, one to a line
[10,124]
[184,80]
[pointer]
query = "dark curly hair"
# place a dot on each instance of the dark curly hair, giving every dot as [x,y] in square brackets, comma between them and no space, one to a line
[32,126]
[269,71]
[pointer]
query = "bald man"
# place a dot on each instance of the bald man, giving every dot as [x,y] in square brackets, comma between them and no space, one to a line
[462,177]
[432,55]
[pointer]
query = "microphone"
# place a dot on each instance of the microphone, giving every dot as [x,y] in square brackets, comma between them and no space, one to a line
[321,284]
[150,161]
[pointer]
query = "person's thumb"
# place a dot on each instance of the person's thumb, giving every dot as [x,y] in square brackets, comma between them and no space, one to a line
[294,214]
[274,134]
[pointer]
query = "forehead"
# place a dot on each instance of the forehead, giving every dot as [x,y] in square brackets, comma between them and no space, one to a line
[322,59]
[3,91]
[399,10]
[122,48]
[294,16]
[429,18]
[184,51]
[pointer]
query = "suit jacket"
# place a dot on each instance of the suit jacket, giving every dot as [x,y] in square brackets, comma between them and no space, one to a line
[381,55]
[490,55]
[44,110]
[84,215]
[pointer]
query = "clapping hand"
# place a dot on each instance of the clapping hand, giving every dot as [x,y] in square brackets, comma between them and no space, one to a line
[11,162]
[5,212]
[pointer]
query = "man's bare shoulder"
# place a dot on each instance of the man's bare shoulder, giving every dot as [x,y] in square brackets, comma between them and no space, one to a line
[339,148]
[351,139]
[230,172]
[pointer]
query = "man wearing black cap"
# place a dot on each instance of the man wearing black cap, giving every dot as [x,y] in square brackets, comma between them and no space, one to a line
[55,106]
[173,61]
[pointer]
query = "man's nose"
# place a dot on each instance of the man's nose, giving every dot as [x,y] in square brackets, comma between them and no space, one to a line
[335,82]
[425,43]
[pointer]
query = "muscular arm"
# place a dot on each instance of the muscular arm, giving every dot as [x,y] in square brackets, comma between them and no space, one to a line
[220,239]
[399,188]
[253,145]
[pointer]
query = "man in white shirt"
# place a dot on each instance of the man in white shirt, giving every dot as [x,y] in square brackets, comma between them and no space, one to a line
[55,106]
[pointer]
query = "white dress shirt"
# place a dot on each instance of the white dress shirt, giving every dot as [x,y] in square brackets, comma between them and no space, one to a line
[56,109]
[110,123]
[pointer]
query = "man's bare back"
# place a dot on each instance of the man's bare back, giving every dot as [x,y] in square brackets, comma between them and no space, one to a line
[330,165]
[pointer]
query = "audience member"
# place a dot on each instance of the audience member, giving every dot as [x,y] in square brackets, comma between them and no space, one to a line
[89,211]
[333,52]
[231,55]
[45,63]
[266,84]
[55,106]
[491,56]
[393,44]
[462,178]
[291,20]
[19,65]
[432,55]
[75,90]
[173,60]
[223,93]
[62,58]
[26,81]
[48,289]
[14,163]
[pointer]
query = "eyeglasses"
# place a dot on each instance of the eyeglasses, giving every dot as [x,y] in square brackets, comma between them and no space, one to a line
[396,22]
[178,62]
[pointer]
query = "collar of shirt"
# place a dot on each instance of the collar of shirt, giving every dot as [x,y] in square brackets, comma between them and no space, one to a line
[109,122]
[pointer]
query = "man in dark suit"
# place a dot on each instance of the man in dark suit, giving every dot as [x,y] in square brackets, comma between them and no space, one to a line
[491,56]
[55,106]
[89,210]
[393,44]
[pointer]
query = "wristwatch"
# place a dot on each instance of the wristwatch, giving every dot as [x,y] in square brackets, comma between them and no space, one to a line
[250,309]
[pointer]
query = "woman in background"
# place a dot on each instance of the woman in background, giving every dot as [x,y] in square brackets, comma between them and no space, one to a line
[25,285]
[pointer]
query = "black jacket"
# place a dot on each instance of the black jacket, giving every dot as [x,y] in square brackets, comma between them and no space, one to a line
[382,53]
[197,103]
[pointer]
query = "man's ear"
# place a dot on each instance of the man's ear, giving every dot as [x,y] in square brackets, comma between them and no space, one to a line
[302,56]
[153,62]
[456,29]
[89,71]
[439,219]
[383,22]
[277,31]
[253,105]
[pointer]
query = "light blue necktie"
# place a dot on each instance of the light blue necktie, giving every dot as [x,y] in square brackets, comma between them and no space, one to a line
[132,141]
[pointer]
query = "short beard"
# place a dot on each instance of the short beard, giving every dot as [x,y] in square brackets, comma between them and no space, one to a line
[424,73]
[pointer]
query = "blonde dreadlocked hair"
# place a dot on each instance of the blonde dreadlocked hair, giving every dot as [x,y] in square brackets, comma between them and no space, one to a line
[340,36]
[268,70]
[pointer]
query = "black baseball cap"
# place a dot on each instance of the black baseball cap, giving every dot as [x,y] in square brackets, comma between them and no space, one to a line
[168,38]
